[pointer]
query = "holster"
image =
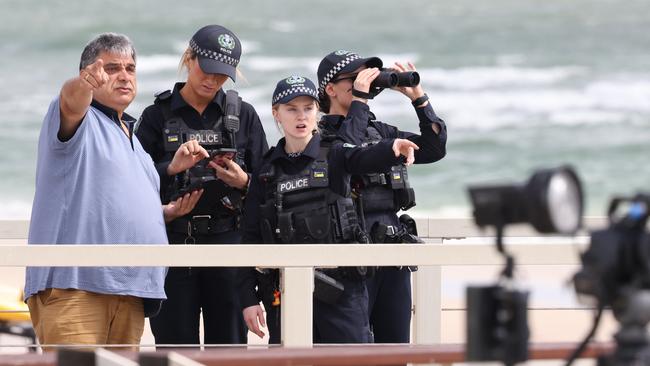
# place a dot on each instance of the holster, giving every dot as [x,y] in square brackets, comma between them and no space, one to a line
[382,233]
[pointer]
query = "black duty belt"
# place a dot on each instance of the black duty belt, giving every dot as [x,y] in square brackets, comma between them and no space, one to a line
[204,225]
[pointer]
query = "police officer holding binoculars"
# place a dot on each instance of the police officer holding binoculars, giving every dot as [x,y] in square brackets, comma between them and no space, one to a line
[381,195]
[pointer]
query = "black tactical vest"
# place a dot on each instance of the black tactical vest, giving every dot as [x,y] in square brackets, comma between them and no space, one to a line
[220,138]
[383,191]
[301,208]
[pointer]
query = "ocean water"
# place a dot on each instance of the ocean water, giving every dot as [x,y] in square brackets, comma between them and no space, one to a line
[522,84]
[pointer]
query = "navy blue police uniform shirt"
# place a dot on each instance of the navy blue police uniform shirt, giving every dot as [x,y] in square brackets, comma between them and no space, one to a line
[343,160]
[250,139]
[353,128]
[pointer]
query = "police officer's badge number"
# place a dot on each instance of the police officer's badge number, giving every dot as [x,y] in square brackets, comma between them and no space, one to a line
[295,80]
[226,41]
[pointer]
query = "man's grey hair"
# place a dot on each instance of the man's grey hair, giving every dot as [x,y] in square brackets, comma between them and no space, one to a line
[108,42]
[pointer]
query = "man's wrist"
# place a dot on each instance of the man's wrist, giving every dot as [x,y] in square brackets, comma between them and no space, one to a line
[167,215]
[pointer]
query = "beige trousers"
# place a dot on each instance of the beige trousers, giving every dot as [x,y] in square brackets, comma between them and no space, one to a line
[79,317]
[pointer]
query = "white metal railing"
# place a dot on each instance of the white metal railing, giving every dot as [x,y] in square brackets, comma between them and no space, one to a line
[298,261]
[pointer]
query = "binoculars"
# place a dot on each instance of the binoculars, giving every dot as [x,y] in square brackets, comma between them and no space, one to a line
[389,78]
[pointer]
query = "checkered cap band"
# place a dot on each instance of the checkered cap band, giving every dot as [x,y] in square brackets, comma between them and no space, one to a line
[302,90]
[335,70]
[213,54]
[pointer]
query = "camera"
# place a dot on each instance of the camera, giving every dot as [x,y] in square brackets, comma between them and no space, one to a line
[616,273]
[615,268]
[619,254]
[497,321]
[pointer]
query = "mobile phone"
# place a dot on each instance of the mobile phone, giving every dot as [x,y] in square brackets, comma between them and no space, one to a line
[220,155]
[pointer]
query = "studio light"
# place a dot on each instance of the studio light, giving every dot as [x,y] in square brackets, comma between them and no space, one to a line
[551,201]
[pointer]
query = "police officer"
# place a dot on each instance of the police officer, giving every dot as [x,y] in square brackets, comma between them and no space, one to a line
[341,75]
[231,131]
[302,195]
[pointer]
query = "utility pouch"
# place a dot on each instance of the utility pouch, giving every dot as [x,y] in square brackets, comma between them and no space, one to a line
[285,224]
[346,220]
[405,198]
[326,288]
[318,227]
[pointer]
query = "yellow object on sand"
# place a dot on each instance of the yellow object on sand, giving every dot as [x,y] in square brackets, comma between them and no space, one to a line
[12,306]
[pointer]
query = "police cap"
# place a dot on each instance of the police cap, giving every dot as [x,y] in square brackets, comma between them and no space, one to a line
[292,87]
[218,50]
[340,62]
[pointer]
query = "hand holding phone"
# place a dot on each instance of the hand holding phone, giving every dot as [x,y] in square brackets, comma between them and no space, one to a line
[220,157]
[227,169]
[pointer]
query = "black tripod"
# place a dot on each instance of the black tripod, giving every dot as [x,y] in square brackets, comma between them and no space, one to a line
[632,339]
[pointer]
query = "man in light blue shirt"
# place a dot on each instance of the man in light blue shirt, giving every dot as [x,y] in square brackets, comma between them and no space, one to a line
[96,185]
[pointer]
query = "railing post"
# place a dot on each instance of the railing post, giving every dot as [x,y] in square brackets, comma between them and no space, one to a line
[104,357]
[297,287]
[427,303]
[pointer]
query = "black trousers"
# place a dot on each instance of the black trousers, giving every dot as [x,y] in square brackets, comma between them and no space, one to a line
[389,305]
[343,322]
[347,320]
[192,292]
[389,294]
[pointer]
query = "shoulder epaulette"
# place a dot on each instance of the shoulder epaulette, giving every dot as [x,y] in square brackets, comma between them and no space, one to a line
[163,95]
